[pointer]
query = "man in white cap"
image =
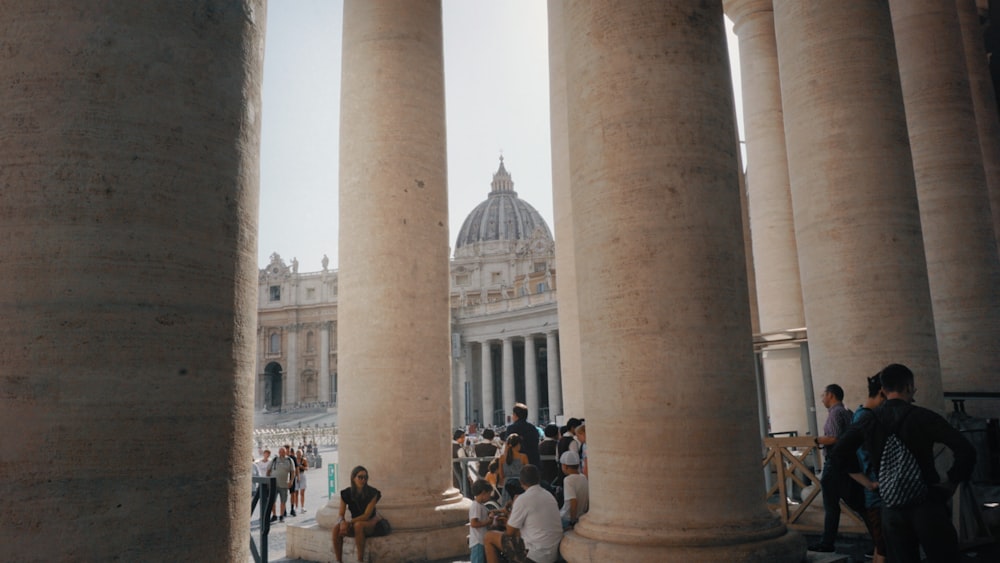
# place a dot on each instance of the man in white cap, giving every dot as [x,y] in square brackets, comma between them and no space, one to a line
[576,490]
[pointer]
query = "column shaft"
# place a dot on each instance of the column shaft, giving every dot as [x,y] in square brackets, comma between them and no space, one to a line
[486,363]
[531,378]
[393,276]
[962,263]
[569,307]
[857,224]
[775,258]
[658,230]
[984,101]
[129,280]
[507,365]
[554,378]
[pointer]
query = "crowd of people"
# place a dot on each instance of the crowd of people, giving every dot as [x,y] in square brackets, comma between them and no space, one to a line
[289,468]
[530,486]
[880,460]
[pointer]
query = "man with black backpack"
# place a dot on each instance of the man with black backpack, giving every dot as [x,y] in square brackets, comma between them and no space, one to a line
[901,438]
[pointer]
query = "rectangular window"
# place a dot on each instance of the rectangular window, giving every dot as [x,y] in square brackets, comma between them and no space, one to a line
[495,277]
[310,293]
[539,267]
[542,287]
[462,280]
[275,293]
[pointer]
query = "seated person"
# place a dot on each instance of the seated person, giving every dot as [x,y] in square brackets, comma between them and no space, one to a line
[534,518]
[360,498]
[576,490]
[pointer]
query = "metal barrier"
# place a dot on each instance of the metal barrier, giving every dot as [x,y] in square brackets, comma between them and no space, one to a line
[265,491]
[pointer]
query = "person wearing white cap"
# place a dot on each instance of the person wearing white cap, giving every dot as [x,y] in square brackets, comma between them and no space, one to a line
[576,490]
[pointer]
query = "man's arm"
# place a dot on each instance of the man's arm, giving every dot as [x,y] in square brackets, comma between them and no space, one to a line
[964,453]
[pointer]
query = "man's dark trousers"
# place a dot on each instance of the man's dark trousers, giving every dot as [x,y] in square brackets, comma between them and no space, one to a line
[926,525]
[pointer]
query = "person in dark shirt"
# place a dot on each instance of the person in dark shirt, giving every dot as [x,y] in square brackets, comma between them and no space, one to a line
[360,498]
[528,433]
[485,448]
[927,522]
[547,447]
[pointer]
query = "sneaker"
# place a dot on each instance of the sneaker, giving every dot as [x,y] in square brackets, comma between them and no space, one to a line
[821,547]
[870,554]
[293,512]
[282,519]
[274,518]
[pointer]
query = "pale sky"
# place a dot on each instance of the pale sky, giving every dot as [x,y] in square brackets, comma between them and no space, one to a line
[497,99]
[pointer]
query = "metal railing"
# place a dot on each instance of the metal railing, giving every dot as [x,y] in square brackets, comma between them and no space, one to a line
[265,491]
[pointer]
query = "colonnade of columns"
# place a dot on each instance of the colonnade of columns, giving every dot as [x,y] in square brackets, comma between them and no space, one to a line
[488,403]
[98,291]
[874,143]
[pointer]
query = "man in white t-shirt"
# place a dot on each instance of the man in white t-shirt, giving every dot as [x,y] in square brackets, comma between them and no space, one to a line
[535,518]
[576,490]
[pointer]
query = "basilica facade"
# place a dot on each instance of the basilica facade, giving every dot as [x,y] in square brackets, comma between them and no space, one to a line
[504,326]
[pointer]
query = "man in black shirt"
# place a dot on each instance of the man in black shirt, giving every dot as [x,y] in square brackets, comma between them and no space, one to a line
[528,433]
[926,522]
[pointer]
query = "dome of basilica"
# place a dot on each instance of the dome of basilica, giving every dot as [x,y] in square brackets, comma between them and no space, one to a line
[503,217]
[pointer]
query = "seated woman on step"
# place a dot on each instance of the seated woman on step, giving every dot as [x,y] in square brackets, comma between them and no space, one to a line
[365,522]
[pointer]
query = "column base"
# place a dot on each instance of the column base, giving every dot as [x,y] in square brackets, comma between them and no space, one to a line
[313,543]
[418,534]
[789,547]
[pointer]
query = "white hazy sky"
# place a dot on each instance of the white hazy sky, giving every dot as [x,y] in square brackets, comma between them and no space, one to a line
[496,80]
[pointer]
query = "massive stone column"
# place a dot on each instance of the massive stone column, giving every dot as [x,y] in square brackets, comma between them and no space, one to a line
[531,378]
[666,333]
[394,289]
[984,101]
[128,219]
[507,373]
[962,263]
[776,264]
[554,378]
[569,306]
[857,225]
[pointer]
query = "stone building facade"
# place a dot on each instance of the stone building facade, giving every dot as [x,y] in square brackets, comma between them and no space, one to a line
[503,310]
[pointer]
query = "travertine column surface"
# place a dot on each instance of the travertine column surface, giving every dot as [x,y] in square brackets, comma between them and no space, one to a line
[128,219]
[507,373]
[486,365]
[776,264]
[394,339]
[569,308]
[857,226]
[984,101]
[554,378]
[962,263]
[531,378]
[324,362]
[666,331]
[775,259]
